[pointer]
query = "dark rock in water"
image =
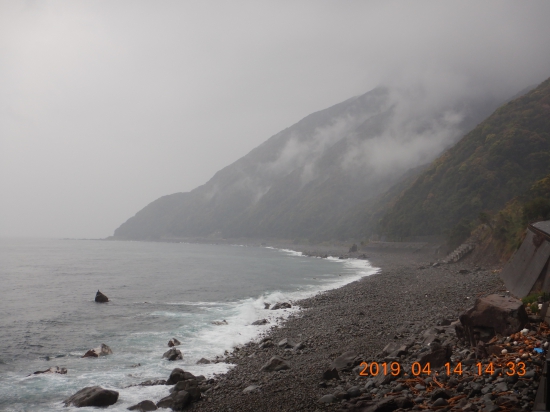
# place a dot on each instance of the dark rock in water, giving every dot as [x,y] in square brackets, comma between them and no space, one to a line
[331,374]
[153,383]
[491,315]
[190,386]
[173,354]
[92,396]
[219,323]
[173,342]
[276,363]
[184,385]
[101,298]
[261,322]
[144,406]
[203,361]
[281,305]
[53,369]
[194,392]
[176,401]
[266,305]
[178,375]
[345,361]
[102,350]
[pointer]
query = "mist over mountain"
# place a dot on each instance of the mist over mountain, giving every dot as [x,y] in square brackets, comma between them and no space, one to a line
[316,179]
[500,159]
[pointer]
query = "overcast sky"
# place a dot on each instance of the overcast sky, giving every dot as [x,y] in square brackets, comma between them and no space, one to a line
[107,105]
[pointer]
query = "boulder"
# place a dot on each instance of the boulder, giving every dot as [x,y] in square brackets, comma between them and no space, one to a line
[92,396]
[102,350]
[191,386]
[353,248]
[173,342]
[177,401]
[266,305]
[491,315]
[143,406]
[173,354]
[437,357]
[53,369]
[178,375]
[101,298]
[261,322]
[281,305]
[184,385]
[345,361]
[203,361]
[276,363]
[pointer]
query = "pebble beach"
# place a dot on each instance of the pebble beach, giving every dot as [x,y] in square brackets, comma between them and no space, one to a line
[409,295]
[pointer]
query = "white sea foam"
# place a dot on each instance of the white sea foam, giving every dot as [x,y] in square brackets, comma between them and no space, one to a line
[200,338]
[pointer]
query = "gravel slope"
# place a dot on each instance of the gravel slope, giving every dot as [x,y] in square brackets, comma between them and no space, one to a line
[407,296]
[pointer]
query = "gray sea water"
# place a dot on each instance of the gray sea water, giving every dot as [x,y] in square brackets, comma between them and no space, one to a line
[157,291]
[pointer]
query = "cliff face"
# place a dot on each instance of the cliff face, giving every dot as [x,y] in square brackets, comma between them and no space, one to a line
[316,179]
[498,160]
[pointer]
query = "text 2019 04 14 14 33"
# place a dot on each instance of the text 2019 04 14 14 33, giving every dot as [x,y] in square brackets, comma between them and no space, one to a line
[417,369]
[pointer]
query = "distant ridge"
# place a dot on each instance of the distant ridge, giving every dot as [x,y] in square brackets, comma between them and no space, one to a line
[317,179]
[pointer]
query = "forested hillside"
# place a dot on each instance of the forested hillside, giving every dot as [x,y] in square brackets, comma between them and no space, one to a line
[501,158]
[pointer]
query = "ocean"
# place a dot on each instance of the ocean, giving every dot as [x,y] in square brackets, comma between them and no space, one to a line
[157,291]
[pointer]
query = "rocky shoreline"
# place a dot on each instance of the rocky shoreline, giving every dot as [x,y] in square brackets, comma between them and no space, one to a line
[409,296]
[322,357]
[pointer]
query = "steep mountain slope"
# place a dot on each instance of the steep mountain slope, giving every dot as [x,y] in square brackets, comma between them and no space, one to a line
[305,181]
[498,160]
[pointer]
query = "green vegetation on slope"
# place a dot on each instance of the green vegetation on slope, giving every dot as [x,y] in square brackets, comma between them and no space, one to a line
[507,227]
[500,159]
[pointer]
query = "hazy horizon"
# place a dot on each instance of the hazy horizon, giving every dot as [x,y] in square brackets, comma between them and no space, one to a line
[106,106]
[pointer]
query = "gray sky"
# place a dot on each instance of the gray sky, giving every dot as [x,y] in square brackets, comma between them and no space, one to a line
[107,105]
